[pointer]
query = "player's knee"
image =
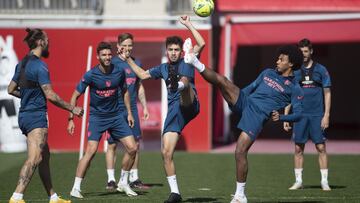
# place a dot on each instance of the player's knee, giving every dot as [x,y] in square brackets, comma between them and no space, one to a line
[321,149]
[90,151]
[223,80]
[166,154]
[132,150]
[240,152]
[299,152]
[34,161]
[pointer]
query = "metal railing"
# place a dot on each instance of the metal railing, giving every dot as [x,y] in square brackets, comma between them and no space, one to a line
[52,7]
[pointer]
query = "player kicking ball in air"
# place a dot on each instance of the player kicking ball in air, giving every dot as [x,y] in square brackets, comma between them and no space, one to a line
[104,81]
[273,90]
[183,104]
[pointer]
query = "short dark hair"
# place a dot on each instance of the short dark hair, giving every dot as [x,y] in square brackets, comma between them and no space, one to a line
[305,43]
[124,36]
[102,46]
[174,40]
[294,53]
[32,36]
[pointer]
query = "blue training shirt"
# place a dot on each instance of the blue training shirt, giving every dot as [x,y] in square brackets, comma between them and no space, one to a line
[313,89]
[132,82]
[184,69]
[272,91]
[33,99]
[104,91]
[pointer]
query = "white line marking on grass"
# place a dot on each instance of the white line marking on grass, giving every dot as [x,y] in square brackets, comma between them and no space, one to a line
[204,189]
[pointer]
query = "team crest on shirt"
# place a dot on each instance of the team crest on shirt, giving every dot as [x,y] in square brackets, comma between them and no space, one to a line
[128,71]
[108,83]
[287,82]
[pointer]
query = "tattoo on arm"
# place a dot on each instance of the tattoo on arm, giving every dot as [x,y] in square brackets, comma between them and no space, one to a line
[54,98]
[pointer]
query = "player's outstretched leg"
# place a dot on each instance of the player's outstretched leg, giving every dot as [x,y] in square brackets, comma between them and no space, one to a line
[127,163]
[82,167]
[229,91]
[35,142]
[169,143]
[298,163]
[110,157]
[323,162]
[242,147]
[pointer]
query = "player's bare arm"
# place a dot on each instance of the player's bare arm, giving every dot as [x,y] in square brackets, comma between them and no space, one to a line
[287,126]
[140,73]
[200,42]
[73,101]
[142,99]
[55,99]
[13,89]
[128,108]
[327,104]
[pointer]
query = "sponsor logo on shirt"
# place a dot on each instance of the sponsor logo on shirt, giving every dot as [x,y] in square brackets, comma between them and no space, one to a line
[130,81]
[108,83]
[273,84]
[106,93]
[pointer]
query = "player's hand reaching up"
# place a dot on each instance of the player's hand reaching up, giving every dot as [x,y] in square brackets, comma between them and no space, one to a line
[78,111]
[275,116]
[185,20]
[124,53]
[71,127]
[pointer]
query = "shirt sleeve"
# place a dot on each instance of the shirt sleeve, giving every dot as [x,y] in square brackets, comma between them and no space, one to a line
[252,87]
[85,81]
[297,106]
[43,74]
[16,76]
[155,72]
[325,78]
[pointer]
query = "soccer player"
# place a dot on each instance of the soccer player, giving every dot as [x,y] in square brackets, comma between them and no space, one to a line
[274,89]
[315,82]
[136,90]
[183,104]
[31,83]
[104,81]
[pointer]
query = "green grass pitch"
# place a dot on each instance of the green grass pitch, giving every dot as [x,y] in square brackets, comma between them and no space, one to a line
[201,177]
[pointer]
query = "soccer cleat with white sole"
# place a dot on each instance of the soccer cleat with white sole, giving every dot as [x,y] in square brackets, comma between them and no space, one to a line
[126,188]
[325,186]
[189,51]
[239,199]
[76,193]
[60,200]
[296,186]
[12,200]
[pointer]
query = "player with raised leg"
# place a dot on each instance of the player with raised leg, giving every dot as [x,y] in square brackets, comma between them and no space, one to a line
[274,89]
[183,104]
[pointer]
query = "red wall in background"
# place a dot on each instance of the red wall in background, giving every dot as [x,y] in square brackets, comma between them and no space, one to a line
[67,64]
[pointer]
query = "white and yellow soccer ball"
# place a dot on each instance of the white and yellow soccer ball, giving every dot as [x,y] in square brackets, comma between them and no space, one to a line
[203,8]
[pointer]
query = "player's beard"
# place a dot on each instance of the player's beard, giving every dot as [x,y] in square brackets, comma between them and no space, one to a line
[45,52]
